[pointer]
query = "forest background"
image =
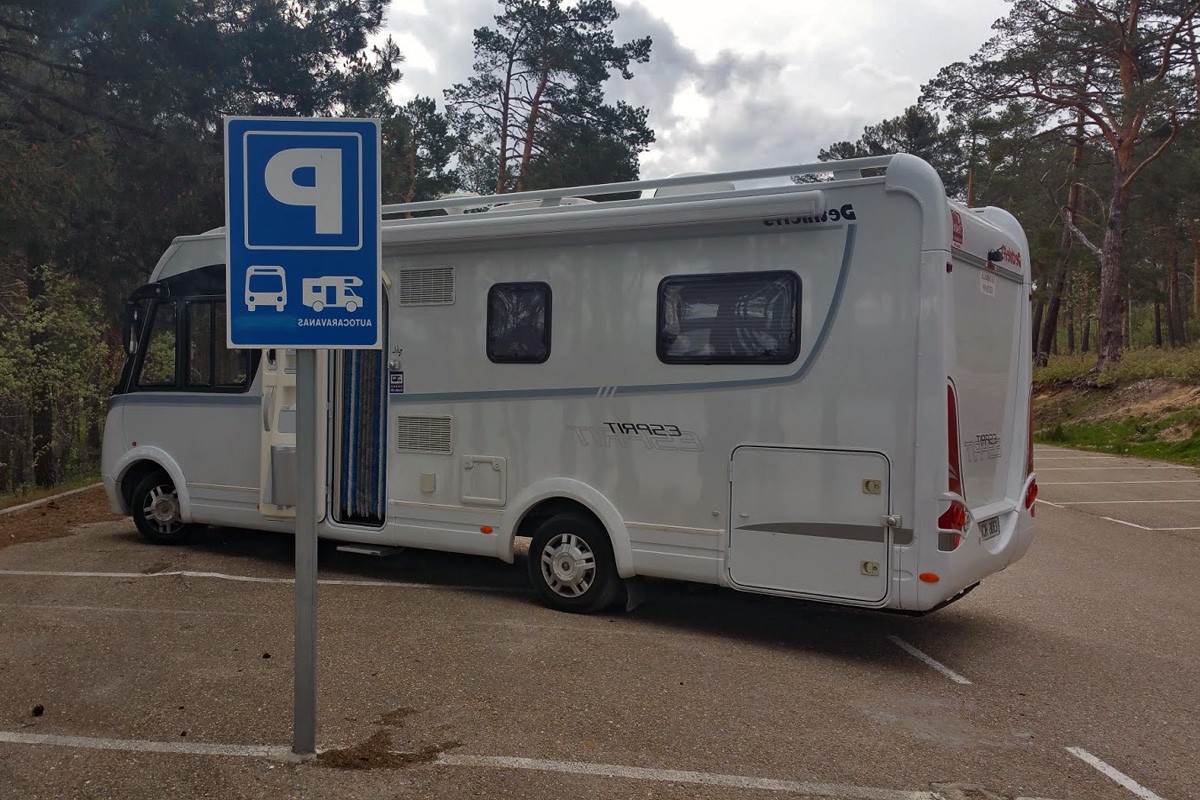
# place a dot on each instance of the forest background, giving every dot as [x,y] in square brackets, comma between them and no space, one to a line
[1082,117]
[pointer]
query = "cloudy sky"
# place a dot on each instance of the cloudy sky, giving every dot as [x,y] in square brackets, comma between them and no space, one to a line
[737,84]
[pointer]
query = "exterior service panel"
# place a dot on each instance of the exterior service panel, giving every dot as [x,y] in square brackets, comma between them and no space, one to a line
[816,468]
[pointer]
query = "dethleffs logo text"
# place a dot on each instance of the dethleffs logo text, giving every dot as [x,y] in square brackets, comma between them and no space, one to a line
[845,212]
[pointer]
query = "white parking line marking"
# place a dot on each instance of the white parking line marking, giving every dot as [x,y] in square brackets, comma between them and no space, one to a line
[189,612]
[808,788]
[685,776]
[247,579]
[1078,458]
[1113,774]
[917,654]
[1047,503]
[1119,502]
[143,746]
[1108,483]
[1122,522]
[1118,466]
[1127,522]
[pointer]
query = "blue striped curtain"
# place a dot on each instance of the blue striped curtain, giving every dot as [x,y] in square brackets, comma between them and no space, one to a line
[363,493]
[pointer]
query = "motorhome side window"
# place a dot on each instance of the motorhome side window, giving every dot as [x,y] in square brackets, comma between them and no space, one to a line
[158,364]
[729,318]
[518,323]
[211,365]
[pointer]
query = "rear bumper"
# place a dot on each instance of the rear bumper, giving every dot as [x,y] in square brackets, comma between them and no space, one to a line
[974,560]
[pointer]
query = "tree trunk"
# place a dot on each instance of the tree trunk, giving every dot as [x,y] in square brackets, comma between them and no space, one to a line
[1087,331]
[1194,234]
[1174,312]
[1112,274]
[1064,248]
[535,110]
[1038,310]
[1158,340]
[505,122]
[1050,323]
[1070,331]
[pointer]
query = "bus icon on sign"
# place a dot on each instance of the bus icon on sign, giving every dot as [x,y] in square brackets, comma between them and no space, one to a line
[266,286]
[332,291]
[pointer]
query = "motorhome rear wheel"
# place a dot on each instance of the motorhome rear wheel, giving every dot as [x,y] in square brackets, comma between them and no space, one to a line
[571,564]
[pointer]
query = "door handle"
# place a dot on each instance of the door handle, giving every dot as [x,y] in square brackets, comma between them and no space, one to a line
[893,521]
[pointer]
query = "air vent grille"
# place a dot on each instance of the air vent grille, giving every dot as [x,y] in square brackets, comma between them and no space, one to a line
[432,286]
[423,434]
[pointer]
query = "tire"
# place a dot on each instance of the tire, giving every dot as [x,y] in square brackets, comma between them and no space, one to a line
[318,306]
[571,564]
[352,306]
[155,510]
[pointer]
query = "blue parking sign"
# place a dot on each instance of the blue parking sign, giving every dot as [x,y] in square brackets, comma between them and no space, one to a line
[302,232]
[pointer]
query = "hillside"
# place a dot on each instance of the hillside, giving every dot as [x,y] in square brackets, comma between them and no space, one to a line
[1149,406]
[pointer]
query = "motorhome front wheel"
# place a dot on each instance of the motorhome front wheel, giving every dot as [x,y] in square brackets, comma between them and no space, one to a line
[571,564]
[155,507]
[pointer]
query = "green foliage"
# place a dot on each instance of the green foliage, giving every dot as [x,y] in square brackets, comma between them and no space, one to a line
[1181,364]
[1112,75]
[417,148]
[54,348]
[917,131]
[110,146]
[538,93]
[1135,436]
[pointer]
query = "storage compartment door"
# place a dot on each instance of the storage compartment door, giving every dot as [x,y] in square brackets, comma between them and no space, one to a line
[810,522]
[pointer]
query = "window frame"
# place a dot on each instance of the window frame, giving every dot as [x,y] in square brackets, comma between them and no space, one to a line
[147,333]
[692,279]
[215,331]
[547,337]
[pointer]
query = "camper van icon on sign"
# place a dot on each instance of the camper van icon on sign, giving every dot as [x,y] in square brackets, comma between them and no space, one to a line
[332,291]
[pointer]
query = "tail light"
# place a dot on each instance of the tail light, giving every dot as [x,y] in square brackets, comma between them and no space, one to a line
[954,520]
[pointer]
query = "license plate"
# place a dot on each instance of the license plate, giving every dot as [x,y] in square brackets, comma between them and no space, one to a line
[989,528]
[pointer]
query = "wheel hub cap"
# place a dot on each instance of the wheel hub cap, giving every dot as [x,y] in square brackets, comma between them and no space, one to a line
[165,510]
[568,565]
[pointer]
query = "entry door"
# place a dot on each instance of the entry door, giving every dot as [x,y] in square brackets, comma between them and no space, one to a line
[810,522]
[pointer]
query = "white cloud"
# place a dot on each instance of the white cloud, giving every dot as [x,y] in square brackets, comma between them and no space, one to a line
[737,85]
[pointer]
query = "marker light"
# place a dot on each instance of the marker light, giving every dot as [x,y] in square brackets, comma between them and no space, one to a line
[485,528]
[929,577]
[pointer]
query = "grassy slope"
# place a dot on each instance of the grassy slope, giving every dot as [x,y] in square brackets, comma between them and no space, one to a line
[1148,406]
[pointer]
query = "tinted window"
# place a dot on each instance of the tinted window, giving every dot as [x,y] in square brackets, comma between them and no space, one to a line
[211,363]
[158,364]
[518,323]
[732,318]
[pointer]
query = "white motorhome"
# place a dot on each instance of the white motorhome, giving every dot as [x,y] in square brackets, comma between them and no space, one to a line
[816,387]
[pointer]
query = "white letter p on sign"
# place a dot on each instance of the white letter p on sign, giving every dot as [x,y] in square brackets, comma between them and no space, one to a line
[325,195]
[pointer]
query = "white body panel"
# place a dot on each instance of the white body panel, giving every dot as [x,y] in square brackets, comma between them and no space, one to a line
[649,447]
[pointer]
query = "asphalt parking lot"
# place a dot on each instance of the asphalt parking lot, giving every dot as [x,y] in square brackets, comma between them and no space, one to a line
[167,671]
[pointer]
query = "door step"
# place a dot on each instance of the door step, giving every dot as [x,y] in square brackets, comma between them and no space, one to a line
[370,549]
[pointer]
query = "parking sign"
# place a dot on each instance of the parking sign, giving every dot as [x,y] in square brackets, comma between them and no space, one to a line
[302,232]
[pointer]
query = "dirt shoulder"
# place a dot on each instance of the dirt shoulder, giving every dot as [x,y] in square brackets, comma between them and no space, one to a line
[55,518]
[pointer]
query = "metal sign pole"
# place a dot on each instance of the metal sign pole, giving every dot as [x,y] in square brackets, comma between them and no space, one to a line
[304,727]
[289,243]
